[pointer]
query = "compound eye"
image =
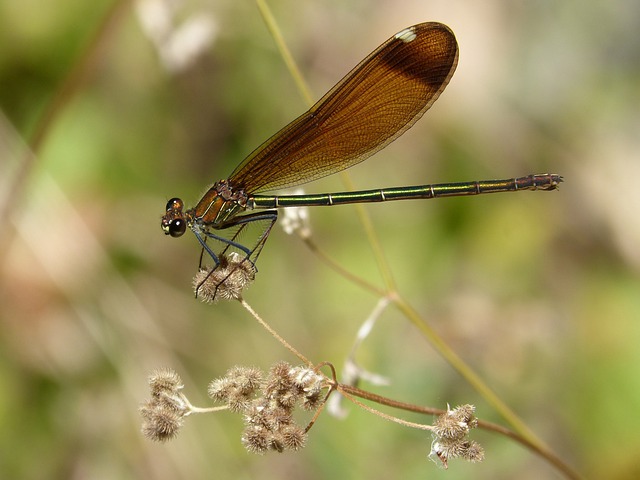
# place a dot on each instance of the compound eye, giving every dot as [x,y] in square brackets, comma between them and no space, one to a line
[174,204]
[177,227]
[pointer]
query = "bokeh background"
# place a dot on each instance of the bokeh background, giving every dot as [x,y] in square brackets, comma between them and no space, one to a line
[111,108]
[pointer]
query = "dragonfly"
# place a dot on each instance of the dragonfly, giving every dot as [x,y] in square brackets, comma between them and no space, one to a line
[375,103]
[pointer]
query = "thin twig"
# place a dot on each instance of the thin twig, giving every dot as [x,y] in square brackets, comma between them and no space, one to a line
[378,413]
[274,334]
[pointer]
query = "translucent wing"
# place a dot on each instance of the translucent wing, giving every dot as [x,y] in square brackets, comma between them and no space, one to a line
[373,105]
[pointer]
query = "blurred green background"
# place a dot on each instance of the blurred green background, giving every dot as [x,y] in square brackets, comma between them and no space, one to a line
[538,291]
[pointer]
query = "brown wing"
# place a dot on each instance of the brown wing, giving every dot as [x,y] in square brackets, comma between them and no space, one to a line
[374,104]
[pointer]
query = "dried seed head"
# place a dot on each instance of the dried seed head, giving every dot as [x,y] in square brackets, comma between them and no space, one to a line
[310,384]
[312,400]
[450,432]
[474,452]
[219,389]
[256,439]
[277,416]
[279,382]
[294,437]
[237,387]
[455,423]
[238,404]
[276,442]
[160,423]
[257,413]
[226,281]
[162,415]
[248,379]
[307,379]
[446,449]
[164,381]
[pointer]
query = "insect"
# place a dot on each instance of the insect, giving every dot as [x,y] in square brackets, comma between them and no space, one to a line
[375,103]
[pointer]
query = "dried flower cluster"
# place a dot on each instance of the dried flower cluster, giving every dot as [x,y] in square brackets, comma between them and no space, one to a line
[226,281]
[163,414]
[450,432]
[268,405]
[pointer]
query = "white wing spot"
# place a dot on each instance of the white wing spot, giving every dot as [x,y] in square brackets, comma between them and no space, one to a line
[407,35]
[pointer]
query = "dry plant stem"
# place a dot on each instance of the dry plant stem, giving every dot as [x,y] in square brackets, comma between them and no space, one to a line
[525,436]
[80,72]
[548,455]
[276,34]
[374,242]
[469,375]
[274,334]
[410,407]
[378,413]
[318,411]
[193,409]
[349,391]
[438,343]
[331,263]
[70,86]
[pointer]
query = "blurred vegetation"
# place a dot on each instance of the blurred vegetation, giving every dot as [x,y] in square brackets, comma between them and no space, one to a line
[538,291]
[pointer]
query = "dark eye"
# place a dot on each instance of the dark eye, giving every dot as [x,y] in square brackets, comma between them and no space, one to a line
[175,204]
[177,227]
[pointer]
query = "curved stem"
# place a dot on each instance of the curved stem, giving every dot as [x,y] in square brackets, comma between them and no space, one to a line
[378,413]
[71,85]
[540,450]
[276,34]
[274,334]
[372,237]
[466,371]
[340,270]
